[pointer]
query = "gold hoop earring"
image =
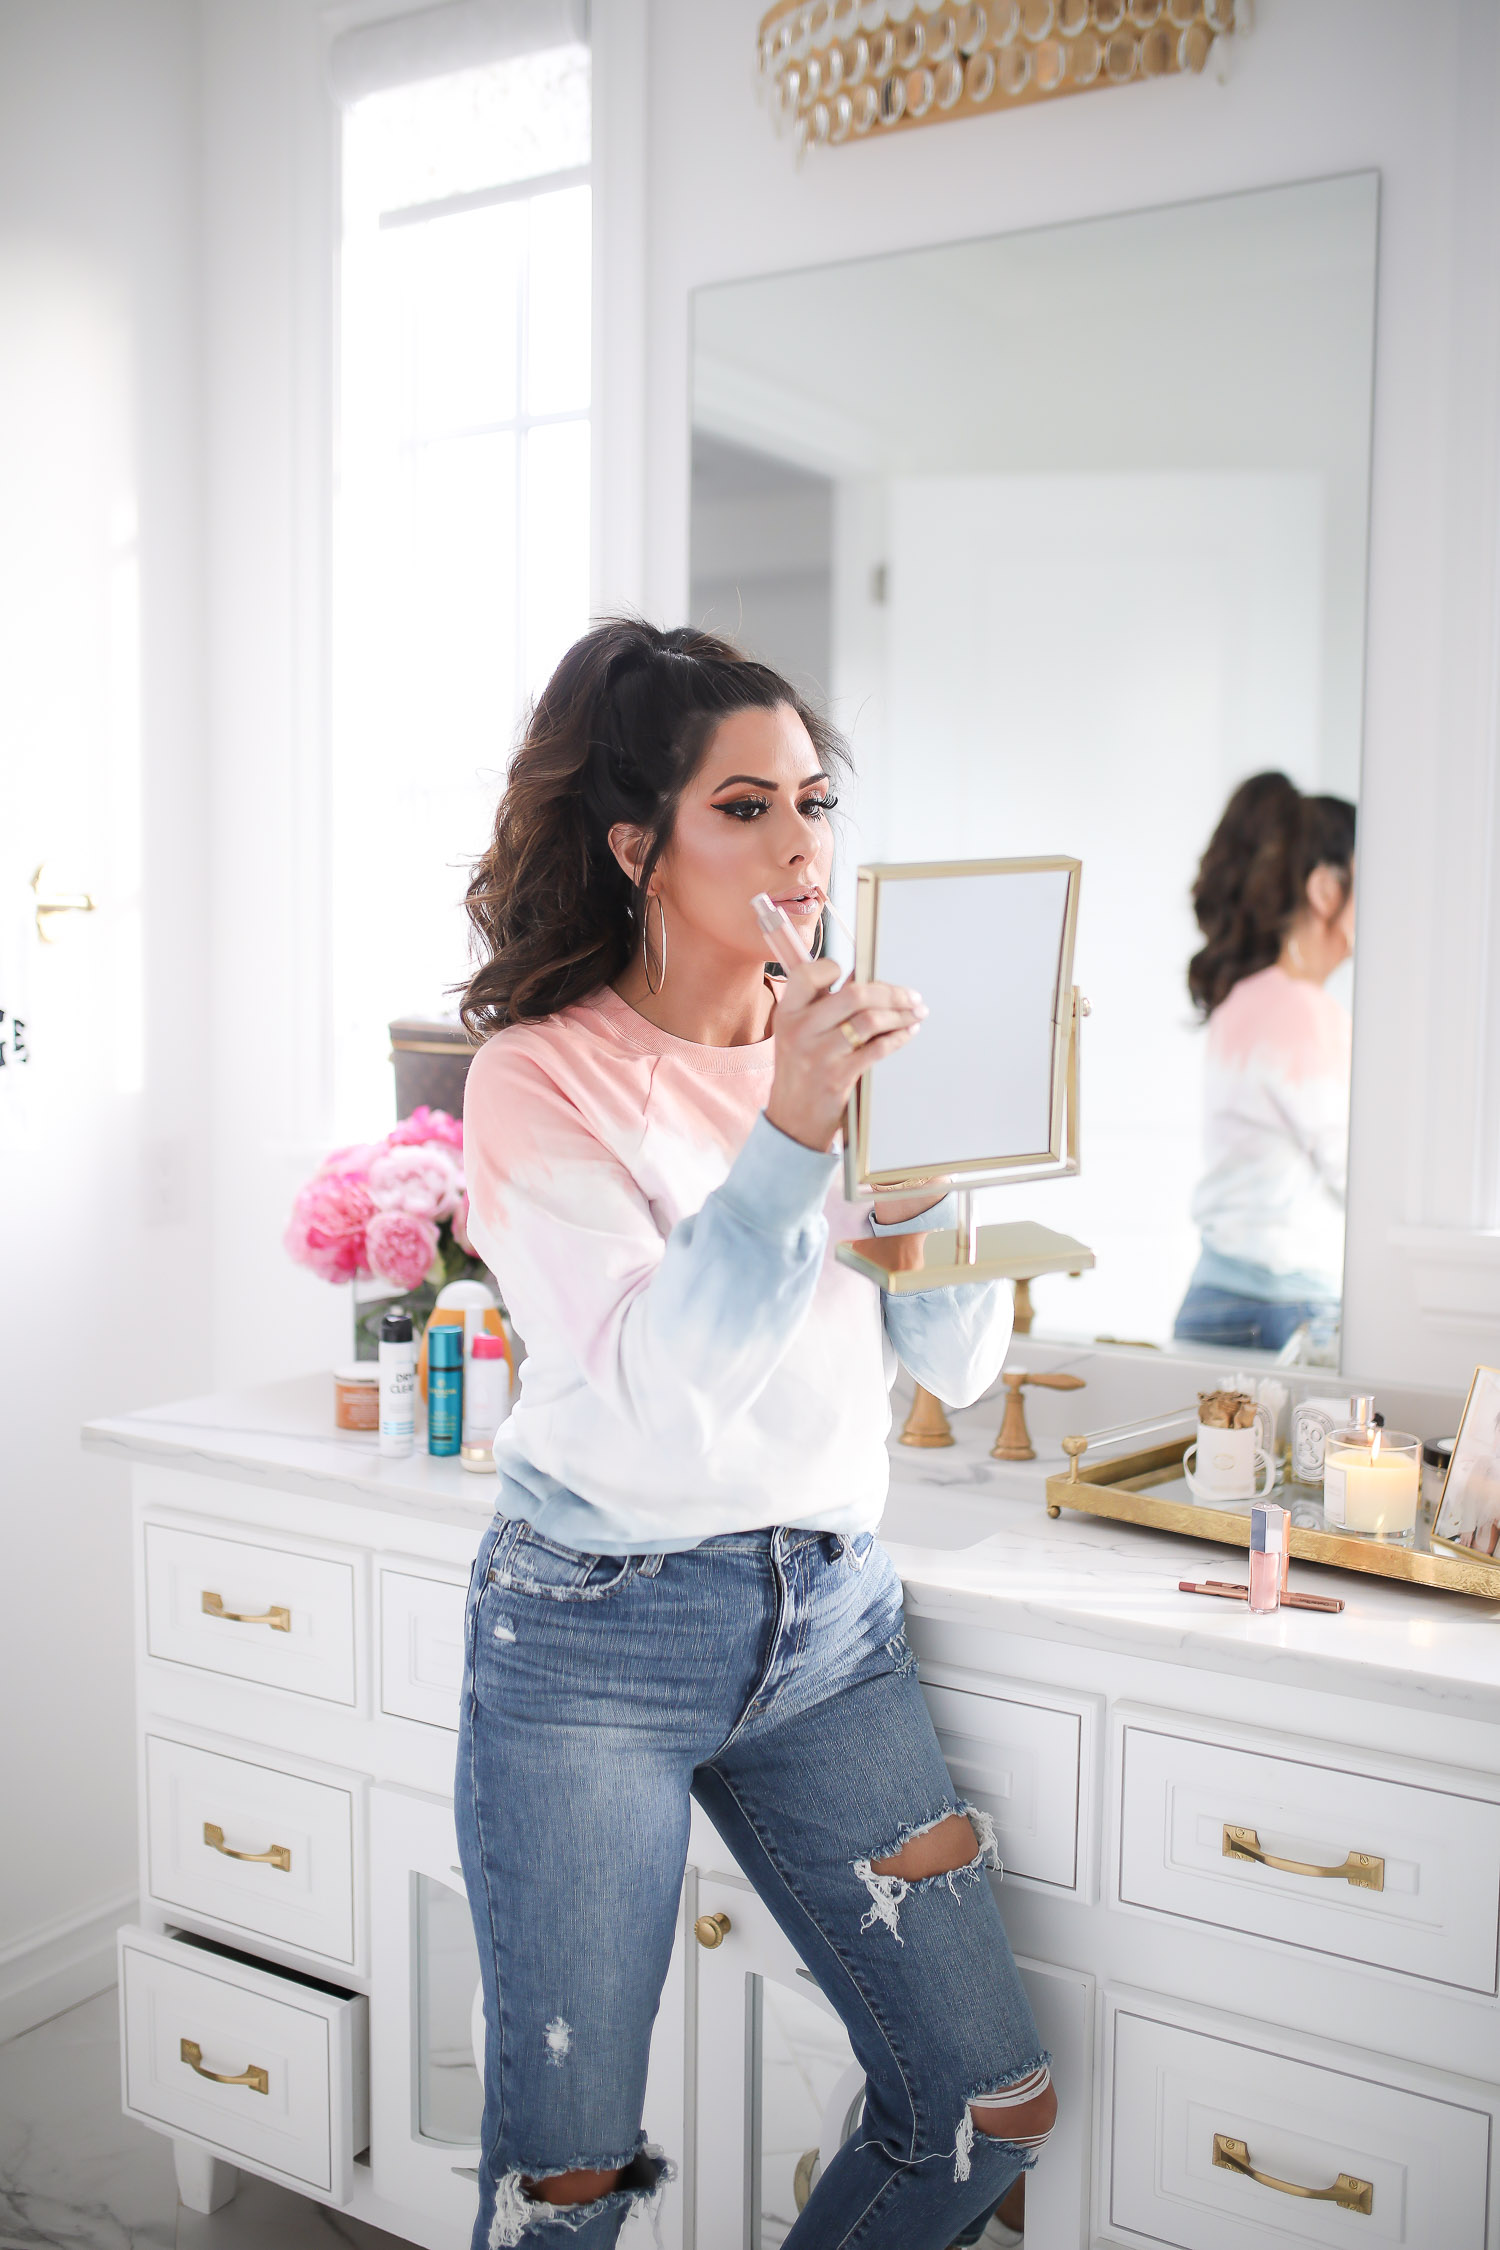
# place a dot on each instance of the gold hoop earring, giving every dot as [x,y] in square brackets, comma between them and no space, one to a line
[661,916]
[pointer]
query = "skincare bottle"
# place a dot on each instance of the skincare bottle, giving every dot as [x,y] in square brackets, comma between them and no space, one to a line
[1268,1555]
[398,1385]
[486,1400]
[445,1387]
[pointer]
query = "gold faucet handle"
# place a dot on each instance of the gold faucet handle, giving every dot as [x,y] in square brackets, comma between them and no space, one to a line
[1014,1441]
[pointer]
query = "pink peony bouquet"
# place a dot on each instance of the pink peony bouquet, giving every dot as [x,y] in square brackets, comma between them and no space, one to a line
[392,1211]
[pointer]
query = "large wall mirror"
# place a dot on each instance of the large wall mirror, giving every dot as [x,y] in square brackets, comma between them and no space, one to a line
[1068,529]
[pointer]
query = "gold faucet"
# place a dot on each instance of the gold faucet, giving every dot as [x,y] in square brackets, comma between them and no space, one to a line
[1014,1442]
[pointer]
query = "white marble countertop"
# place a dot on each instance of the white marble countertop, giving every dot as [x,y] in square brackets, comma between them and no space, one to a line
[973,1542]
[282,1435]
[970,1536]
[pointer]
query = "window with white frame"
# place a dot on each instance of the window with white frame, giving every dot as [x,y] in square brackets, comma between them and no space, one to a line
[462,511]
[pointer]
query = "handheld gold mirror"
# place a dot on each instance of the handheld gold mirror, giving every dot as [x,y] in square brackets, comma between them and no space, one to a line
[989,1093]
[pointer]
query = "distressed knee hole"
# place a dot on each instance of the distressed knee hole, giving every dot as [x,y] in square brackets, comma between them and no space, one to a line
[536,2204]
[1021,2115]
[951,1847]
[572,2187]
[939,1850]
[1026,2123]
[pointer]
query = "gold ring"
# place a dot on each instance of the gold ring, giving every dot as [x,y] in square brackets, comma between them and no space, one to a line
[852,1036]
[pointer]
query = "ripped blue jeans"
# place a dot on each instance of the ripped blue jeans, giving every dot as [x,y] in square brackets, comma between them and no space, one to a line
[767,1675]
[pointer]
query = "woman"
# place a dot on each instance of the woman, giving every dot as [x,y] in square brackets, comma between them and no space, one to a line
[1275,902]
[680,1596]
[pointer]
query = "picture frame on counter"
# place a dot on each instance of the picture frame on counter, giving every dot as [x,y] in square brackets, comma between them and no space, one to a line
[1468,1515]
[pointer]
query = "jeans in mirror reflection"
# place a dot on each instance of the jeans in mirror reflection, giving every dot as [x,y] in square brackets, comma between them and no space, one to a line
[767,1675]
[1219,1316]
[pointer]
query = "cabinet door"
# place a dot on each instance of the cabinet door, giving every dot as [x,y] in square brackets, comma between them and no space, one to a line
[778,2089]
[426,2096]
[421,1646]
[774,2065]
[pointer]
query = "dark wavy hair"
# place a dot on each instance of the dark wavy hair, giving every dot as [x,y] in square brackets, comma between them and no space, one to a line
[616,735]
[1252,880]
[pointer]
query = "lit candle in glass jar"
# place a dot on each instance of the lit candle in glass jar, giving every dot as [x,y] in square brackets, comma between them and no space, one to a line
[1371,1482]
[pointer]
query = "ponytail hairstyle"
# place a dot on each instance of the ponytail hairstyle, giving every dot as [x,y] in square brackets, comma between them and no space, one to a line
[616,736]
[1252,880]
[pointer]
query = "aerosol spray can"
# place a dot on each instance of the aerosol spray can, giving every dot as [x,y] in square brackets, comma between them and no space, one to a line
[398,1385]
[445,1387]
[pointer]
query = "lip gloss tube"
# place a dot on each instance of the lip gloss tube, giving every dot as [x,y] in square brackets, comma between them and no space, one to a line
[780,931]
[1268,1555]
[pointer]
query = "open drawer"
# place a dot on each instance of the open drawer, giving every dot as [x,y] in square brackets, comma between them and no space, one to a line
[270,2071]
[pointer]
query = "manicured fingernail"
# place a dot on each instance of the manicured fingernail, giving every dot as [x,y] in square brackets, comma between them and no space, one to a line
[919,1007]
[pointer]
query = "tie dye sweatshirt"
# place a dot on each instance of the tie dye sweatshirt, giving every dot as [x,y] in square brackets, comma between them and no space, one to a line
[697,1361]
[1276,1132]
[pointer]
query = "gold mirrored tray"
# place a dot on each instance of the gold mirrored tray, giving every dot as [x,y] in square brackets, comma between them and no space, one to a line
[1135,1488]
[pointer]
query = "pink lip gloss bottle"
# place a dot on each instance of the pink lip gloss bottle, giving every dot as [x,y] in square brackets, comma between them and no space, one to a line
[1268,1555]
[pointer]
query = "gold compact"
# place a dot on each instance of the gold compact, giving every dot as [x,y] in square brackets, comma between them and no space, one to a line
[988,1095]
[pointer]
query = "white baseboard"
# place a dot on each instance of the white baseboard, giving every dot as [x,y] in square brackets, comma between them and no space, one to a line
[60,1964]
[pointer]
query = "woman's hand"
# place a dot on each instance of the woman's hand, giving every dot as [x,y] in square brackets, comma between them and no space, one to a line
[817,1061]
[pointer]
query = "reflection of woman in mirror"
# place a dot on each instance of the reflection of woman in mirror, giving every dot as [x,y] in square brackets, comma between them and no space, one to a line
[680,1598]
[1275,902]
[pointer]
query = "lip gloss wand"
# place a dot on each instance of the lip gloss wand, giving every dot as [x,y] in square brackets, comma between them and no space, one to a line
[780,933]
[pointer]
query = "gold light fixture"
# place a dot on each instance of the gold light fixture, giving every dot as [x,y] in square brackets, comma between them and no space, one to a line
[839,70]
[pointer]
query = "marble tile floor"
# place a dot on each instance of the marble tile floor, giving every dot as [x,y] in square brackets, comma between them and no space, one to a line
[77,2175]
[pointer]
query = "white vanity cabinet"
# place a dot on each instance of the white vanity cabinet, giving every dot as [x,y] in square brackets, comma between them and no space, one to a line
[1252,1867]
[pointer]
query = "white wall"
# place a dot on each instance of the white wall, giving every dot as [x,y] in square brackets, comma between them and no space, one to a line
[267,202]
[104,1239]
[1314,91]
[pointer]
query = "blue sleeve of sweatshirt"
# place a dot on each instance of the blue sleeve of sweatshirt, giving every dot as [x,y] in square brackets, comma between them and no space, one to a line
[952,1341]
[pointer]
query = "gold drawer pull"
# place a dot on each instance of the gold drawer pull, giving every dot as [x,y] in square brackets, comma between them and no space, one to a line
[279,1620]
[277,1856]
[258,2080]
[711,1929]
[1347,2192]
[1363,1869]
